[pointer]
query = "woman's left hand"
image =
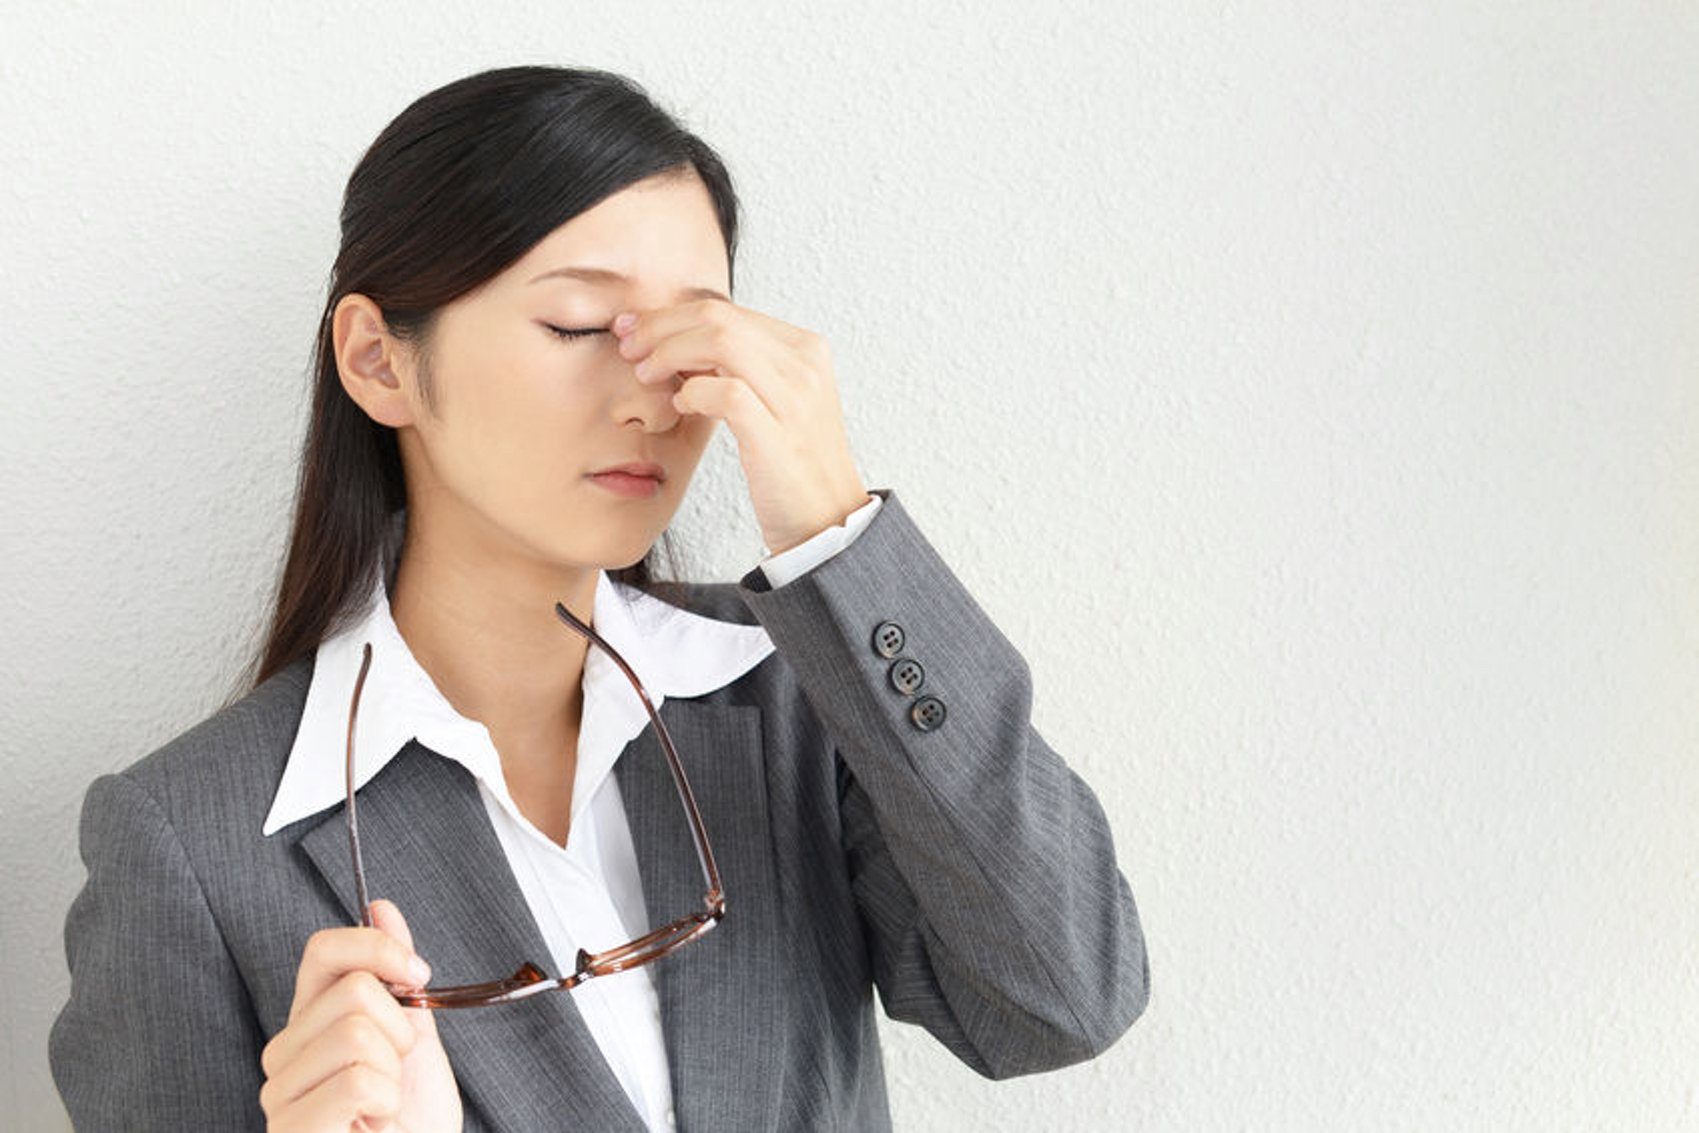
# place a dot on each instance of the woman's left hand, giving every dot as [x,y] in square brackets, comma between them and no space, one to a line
[772,383]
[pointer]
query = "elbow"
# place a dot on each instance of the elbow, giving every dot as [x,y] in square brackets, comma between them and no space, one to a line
[1129,1005]
[1084,1028]
[1120,1003]
[1132,991]
[1117,998]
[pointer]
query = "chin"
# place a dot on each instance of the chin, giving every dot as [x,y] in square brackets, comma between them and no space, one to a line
[614,557]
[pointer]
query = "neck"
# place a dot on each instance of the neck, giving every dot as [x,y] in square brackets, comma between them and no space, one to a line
[477,612]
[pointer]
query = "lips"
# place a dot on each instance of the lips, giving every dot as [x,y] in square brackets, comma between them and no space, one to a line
[635,468]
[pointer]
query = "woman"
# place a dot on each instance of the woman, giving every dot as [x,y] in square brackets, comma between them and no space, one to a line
[528,339]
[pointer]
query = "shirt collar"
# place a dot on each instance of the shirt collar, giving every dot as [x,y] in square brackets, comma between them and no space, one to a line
[673,651]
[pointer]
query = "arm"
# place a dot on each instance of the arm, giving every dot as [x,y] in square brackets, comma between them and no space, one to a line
[983,866]
[158,1032]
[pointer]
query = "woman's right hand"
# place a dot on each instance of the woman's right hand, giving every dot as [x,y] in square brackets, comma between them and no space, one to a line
[351,1057]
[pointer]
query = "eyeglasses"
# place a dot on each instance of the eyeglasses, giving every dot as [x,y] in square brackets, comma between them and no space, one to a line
[530,980]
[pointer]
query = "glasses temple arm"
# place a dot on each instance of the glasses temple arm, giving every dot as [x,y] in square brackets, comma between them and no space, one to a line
[704,853]
[353,816]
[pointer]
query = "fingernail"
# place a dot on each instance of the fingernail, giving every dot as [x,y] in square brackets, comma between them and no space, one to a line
[420,971]
[624,323]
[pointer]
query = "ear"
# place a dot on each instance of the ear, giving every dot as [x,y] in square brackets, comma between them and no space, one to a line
[375,366]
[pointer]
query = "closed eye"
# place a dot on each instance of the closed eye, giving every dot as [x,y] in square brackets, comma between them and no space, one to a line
[572,332]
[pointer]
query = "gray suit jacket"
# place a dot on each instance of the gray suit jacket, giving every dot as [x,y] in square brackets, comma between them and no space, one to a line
[964,871]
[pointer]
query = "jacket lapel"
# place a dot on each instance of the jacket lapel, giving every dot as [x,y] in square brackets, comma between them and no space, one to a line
[428,846]
[719,1009]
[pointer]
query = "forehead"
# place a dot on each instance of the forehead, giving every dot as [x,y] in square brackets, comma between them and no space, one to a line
[662,233]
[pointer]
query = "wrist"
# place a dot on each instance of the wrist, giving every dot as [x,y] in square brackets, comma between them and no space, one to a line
[838,517]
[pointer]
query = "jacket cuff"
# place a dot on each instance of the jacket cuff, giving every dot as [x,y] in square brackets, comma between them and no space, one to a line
[787,566]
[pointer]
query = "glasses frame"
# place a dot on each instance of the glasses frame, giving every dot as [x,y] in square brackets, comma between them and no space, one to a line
[531,980]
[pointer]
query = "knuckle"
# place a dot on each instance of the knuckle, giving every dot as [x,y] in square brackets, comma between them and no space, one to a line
[816,345]
[312,958]
[365,991]
[358,1034]
[409,1037]
[374,1005]
[268,1055]
[326,950]
[319,942]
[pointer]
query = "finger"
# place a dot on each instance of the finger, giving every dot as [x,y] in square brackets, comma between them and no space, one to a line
[387,918]
[760,363]
[333,952]
[714,334]
[723,343]
[350,1040]
[356,994]
[646,328]
[733,401]
[339,1102]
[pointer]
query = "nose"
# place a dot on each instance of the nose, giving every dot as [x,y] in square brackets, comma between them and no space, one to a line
[647,404]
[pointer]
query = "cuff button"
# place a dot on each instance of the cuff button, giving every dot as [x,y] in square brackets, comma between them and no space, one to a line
[927,713]
[888,639]
[907,676]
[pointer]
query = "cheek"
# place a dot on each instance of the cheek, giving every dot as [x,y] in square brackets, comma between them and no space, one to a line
[532,388]
[521,421]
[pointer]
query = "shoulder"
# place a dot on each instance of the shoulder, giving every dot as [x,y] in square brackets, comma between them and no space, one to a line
[226,767]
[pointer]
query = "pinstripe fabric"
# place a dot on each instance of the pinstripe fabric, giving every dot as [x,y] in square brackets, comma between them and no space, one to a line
[964,872]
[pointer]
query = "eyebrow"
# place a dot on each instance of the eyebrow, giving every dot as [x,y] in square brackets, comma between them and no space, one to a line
[603,275]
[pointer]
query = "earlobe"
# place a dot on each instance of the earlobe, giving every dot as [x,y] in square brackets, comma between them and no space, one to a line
[366,358]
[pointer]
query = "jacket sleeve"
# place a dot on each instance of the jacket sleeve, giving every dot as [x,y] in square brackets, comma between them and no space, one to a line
[983,867]
[158,1033]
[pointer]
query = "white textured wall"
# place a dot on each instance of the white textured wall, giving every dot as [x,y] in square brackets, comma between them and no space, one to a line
[1310,390]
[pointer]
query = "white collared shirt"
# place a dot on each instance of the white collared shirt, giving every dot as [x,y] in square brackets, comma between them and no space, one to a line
[589,893]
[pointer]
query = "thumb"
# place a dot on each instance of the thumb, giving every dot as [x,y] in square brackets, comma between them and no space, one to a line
[387,919]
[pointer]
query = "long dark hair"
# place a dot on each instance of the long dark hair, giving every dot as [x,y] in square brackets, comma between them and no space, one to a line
[458,187]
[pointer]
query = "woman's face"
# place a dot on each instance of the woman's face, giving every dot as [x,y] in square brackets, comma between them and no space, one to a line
[523,417]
